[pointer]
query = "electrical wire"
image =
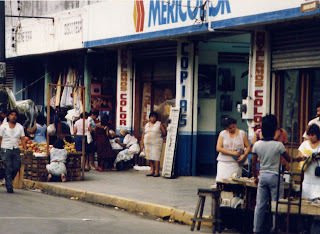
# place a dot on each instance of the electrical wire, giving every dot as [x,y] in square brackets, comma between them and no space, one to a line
[22,90]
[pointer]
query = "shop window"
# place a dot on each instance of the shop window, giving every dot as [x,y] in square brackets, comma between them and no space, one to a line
[297,92]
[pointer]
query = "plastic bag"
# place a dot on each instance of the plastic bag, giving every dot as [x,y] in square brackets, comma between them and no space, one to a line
[134,149]
[142,154]
[51,129]
[89,138]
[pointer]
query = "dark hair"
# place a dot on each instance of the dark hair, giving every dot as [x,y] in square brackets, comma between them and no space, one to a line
[86,114]
[313,129]
[318,104]
[105,120]
[269,126]
[1,119]
[155,114]
[41,119]
[3,110]
[21,118]
[226,122]
[11,111]
[59,144]
[96,113]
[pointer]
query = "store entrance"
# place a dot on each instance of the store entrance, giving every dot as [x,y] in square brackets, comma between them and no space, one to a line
[155,86]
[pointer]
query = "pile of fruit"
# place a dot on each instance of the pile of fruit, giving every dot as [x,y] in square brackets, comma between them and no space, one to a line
[42,147]
[70,147]
[35,147]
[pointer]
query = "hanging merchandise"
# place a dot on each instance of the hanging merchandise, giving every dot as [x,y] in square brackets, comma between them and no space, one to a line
[58,92]
[80,97]
[75,95]
[71,116]
[66,99]
[53,97]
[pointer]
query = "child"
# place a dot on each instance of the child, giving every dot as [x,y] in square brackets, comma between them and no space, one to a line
[269,151]
[58,158]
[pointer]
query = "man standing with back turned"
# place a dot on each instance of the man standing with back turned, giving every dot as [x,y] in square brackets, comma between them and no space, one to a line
[10,134]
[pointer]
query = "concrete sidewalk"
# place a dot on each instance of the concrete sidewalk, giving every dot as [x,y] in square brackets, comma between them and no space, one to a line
[131,190]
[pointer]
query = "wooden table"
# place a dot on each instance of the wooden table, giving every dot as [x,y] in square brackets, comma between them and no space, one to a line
[307,208]
[249,189]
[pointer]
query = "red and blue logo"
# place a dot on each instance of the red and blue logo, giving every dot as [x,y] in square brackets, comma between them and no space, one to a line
[138,15]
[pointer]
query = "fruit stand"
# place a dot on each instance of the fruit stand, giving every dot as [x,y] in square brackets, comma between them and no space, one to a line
[36,160]
[75,161]
[38,156]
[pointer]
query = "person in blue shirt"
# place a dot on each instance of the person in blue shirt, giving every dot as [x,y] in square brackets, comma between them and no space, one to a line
[39,129]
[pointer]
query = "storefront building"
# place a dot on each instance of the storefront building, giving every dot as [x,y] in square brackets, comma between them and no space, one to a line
[203,56]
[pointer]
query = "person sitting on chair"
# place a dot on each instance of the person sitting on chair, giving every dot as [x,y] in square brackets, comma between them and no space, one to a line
[131,147]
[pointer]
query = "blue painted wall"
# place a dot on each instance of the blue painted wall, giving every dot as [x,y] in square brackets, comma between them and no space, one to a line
[206,163]
[183,161]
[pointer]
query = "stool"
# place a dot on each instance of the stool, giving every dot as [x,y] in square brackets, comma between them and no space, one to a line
[215,209]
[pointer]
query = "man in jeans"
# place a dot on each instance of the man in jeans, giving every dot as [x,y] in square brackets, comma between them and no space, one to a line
[10,134]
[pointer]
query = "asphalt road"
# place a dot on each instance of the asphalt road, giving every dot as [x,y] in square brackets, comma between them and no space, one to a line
[35,212]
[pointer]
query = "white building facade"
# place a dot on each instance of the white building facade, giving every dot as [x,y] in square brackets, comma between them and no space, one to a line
[204,56]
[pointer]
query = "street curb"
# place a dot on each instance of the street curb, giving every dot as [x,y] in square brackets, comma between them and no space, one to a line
[161,211]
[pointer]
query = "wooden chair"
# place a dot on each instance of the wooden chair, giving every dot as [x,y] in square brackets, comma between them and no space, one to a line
[215,209]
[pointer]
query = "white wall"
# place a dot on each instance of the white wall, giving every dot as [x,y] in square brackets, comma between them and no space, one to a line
[207,106]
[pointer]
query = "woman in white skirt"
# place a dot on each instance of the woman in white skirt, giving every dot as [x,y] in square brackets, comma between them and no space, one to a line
[151,142]
[58,158]
[233,147]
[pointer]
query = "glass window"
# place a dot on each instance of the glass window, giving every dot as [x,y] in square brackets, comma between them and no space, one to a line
[290,103]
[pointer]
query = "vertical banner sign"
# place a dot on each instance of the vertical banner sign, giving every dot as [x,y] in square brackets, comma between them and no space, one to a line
[184,84]
[146,105]
[261,76]
[124,90]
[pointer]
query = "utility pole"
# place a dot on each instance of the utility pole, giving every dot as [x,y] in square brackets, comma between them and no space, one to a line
[2,44]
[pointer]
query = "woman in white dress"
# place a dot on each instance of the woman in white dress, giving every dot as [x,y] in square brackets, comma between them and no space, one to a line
[233,147]
[311,183]
[151,142]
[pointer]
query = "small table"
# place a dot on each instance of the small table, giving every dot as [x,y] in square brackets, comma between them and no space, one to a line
[249,189]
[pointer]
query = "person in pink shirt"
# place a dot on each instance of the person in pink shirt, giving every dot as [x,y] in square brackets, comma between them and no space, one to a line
[79,132]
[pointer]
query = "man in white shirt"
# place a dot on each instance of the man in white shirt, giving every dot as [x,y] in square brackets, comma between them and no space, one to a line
[10,134]
[316,120]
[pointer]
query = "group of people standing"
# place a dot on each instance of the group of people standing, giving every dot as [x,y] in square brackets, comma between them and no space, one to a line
[269,150]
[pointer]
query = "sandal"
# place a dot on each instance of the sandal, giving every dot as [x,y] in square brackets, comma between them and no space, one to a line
[157,175]
[149,174]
